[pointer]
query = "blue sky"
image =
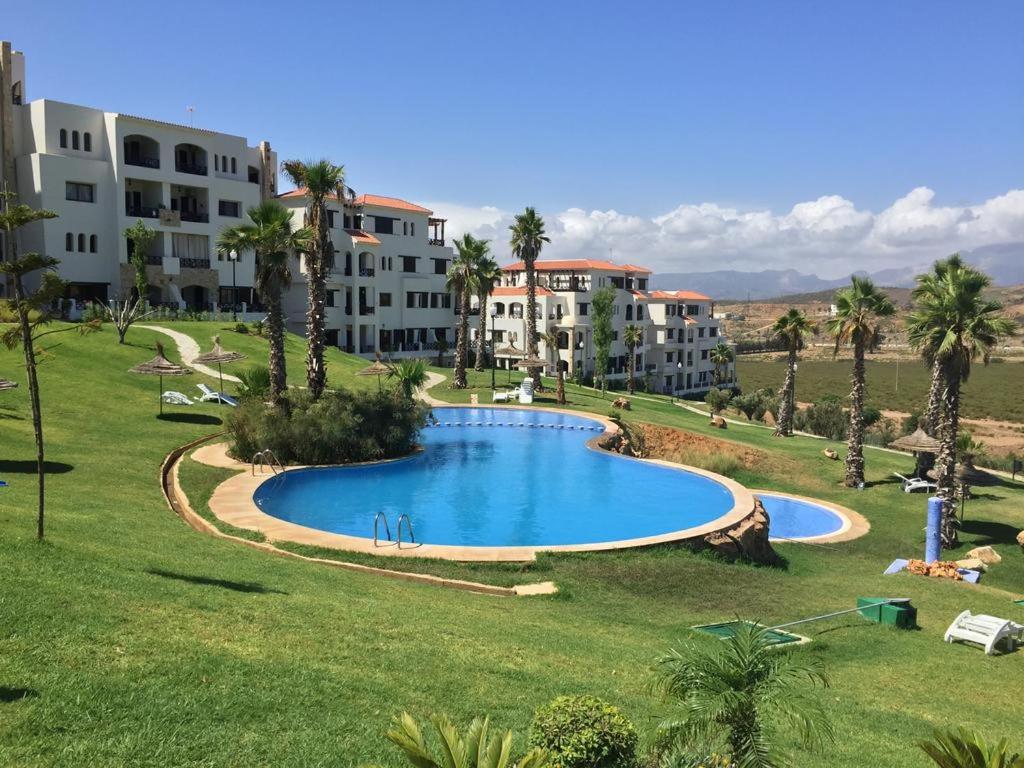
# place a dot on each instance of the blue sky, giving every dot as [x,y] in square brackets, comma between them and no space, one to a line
[636,109]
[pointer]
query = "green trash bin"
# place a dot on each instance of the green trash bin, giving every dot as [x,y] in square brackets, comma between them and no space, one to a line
[901,615]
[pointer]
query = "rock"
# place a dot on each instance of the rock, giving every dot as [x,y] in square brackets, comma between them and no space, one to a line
[718,422]
[1020,539]
[987,555]
[831,454]
[621,402]
[747,540]
[972,564]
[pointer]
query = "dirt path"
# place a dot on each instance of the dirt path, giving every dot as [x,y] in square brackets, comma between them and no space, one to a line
[189,350]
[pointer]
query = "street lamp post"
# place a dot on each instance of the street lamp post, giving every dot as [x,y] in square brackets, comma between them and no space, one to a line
[233,258]
[494,314]
[679,368]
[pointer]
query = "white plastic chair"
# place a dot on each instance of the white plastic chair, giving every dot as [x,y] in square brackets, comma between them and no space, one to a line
[210,396]
[986,631]
[911,484]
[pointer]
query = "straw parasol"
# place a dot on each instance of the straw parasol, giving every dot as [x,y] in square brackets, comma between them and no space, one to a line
[510,351]
[160,366]
[219,355]
[7,384]
[532,362]
[378,369]
[968,475]
[917,442]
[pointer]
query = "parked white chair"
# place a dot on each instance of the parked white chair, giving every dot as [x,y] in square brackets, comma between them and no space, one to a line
[499,397]
[986,631]
[911,484]
[210,396]
[176,398]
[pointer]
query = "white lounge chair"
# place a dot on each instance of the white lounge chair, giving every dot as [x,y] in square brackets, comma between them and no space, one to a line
[176,398]
[911,484]
[210,396]
[986,631]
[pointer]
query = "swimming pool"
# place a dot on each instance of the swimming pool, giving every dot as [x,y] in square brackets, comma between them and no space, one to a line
[800,519]
[504,477]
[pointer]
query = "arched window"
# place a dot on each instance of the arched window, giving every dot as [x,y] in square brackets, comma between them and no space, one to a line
[87,141]
[63,138]
[234,165]
[93,243]
[629,312]
[640,312]
[216,162]
[81,243]
[563,340]
[69,242]
[74,139]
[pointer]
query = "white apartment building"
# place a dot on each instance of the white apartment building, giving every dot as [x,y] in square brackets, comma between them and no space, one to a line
[103,171]
[386,285]
[679,327]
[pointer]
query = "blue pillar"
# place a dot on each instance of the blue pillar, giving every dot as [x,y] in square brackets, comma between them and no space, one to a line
[932,532]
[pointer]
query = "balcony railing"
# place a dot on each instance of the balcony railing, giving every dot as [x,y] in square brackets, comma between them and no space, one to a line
[194,263]
[155,260]
[201,218]
[436,241]
[143,162]
[193,168]
[367,311]
[366,272]
[142,211]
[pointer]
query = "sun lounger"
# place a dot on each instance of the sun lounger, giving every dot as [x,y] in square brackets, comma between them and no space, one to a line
[209,396]
[911,484]
[986,631]
[176,398]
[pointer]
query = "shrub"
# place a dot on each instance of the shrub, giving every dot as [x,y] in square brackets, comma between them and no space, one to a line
[340,428]
[717,399]
[871,415]
[584,732]
[257,327]
[254,382]
[825,417]
[241,328]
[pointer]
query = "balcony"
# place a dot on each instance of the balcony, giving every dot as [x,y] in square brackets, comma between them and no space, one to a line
[199,218]
[366,271]
[143,162]
[141,151]
[367,310]
[194,263]
[142,211]
[436,241]
[188,158]
[193,168]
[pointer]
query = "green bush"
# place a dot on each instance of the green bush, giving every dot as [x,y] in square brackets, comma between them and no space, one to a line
[241,328]
[584,732]
[254,382]
[825,417]
[718,399]
[340,428]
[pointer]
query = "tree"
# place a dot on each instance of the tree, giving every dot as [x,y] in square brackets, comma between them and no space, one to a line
[410,374]
[601,318]
[320,179]
[859,310]
[488,273]
[720,356]
[953,324]
[442,348]
[735,692]
[718,399]
[528,239]
[551,343]
[962,748]
[139,238]
[33,311]
[472,750]
[461,280]
[633,338]
[269,234]
[791,329]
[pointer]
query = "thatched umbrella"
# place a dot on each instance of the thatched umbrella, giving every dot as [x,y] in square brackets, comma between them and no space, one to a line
[510,351]
[219,355]
[967,475]
[160,366]
[7,384]
[917,442]
[378,369]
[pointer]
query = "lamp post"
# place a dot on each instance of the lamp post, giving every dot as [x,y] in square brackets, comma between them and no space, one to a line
[679,369]
[494,313]
[233,258]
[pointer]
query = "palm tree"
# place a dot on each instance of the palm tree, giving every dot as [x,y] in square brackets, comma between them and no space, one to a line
[270,235]
[320,179]
[633,337]
[410,374]
[733,693]
[527,240]
[952,325]
[461,281]
[961,748]
[473,750]
[720,356]
[550,340]
[488,273]
[859,308]
[792,328]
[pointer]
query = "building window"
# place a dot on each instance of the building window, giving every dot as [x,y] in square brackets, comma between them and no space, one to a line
[640,312]
[383,225]
[63,138]
[700,333]
[583,309]
[69,242]
[81,243]
[712,332]
[440,266]
[405,228]
[671,334]
[331,299]
[93,244]
[703,354]
[412,229]
[234,165]
[330,219]
[408,263]
[74,139]
[629,312]
[87,141]
[82,193]
[216,162]
[384,299]
[230,208]
[693,309]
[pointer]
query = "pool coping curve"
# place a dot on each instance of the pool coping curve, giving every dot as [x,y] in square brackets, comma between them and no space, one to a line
[854,526]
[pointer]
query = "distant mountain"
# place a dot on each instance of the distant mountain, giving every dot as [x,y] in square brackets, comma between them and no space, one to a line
[1004,263]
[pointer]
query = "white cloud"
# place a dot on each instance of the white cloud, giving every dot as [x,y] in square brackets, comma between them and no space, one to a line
[829,236]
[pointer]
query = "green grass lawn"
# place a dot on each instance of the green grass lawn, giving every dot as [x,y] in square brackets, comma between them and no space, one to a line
[130,639]
[992,392]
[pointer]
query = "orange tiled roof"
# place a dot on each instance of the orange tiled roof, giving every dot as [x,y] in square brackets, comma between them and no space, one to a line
[362,237]
[378,200]
[552,265]
[518,290]
[672,295]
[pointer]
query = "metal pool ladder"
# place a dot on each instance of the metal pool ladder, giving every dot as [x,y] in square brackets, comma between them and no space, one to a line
[408,525]
[266,458]
[376,522]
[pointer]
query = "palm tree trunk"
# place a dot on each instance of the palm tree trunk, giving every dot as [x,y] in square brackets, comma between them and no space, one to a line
[560,393]
[28,347]
[275,355]
[316,335]
[481,342]
[531,314]
[462,344]
[631,386]
[946,462]
[855,444]
[784,426]
[932,418]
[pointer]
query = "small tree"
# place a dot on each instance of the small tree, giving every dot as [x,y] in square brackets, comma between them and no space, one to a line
[601,306]
[410,375]
[962,748]
[140,238]
[720,356]
[717,399]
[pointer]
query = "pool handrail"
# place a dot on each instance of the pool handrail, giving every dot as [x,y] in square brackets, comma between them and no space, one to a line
[408,523]
[267,458]
[376,520]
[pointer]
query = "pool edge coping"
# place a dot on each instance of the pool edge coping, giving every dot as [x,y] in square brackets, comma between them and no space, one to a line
[855,524]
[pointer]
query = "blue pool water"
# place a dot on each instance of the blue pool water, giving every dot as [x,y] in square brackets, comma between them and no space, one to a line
[798,519]
[510,478]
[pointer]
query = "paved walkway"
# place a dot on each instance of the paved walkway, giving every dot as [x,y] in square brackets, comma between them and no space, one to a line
[189,350]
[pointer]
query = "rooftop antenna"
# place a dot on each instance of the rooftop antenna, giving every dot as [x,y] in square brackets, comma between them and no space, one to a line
[190,110]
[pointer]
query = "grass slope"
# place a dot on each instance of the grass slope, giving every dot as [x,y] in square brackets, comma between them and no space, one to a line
[129,639]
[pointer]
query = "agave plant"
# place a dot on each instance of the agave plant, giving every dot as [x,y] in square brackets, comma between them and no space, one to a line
[476,749]
[410,375]
[961,748]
